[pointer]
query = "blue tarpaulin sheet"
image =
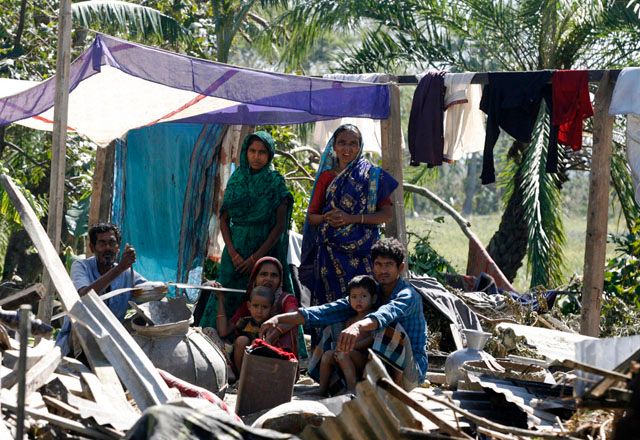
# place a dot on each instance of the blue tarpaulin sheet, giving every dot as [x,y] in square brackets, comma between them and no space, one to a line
[163,196]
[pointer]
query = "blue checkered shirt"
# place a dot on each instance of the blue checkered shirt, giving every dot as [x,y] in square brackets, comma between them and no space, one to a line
[404,307]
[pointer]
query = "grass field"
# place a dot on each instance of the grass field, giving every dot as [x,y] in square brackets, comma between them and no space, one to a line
[449,241]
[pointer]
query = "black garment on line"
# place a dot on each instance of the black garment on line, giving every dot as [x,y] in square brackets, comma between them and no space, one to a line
[426,120]
[511,101]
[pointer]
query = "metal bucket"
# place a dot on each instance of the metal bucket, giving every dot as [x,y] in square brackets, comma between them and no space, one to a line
[179,349]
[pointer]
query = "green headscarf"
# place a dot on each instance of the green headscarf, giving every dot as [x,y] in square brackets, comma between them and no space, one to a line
[253,196]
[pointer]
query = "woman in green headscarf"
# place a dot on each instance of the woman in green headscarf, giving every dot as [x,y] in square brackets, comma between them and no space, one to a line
[254,221]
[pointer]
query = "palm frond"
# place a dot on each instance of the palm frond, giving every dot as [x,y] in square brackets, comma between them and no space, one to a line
[137,21]
[543,210]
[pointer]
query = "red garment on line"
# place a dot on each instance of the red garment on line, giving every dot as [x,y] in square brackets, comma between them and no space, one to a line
[571,104]
[325,179]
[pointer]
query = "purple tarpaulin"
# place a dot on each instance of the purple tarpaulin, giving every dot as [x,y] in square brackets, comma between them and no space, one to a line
[261,97]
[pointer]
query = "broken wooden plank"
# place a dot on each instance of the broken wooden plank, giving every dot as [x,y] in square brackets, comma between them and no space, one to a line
[131,363]
[402,395]
[38,288]
[62,422]
[60,406]
[104,396]
[503,429]
[39,374]
[601,387]
[34,354]
[46,251]
[70,366]
[103,370]
[614,375]
[103,415]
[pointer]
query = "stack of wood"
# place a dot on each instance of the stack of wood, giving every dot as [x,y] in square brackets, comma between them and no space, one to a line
[62,396]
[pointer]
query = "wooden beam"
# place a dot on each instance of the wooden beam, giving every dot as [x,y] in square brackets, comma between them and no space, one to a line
[62,422]
[131,363]
[58,149]
[103,370]
[391,145]
[39,374]
[46,251]
[598,210]
[38,288]
[102,186]
[25,311]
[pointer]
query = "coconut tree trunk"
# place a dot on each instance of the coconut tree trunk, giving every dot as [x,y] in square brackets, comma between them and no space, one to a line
[508,246]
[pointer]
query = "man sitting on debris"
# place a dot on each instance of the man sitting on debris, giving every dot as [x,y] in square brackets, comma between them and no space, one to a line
[102,274]
[400,316]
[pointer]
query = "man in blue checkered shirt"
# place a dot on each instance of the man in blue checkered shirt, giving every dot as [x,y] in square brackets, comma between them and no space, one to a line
[399,304]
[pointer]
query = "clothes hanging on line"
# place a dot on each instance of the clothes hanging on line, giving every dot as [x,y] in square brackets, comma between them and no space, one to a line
[511,101]
[464,129]
[626,93]
[625,100]
[571,105]
[426,120]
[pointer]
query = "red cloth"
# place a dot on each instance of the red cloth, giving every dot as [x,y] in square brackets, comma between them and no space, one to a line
[325,179]
[261,348]
[187,389]
[571,104]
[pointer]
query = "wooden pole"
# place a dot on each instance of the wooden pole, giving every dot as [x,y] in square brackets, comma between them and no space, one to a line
[102,186]
[24,318]
[59,149]
[597,215]
[391,145]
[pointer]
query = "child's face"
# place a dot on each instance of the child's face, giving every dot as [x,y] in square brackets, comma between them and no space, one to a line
[260,308]
[360,299]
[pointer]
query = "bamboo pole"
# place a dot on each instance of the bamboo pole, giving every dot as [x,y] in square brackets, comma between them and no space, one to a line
[59,149]
[391,145]
[596,237]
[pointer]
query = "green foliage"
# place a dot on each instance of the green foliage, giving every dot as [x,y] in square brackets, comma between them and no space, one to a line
[296,169]
[77,217]
[623,185]
[622,274]
[140,22]
[424,260]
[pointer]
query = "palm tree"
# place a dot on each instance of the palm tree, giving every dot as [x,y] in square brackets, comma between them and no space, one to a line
[207,29]
[477,35]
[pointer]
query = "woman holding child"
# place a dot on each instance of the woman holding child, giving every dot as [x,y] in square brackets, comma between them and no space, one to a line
[350,199]
[268,273]
[254,221]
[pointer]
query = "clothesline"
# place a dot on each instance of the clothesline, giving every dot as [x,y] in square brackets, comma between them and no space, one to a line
[482,77]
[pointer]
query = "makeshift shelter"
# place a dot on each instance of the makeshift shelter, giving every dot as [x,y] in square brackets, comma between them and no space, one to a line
[117,86]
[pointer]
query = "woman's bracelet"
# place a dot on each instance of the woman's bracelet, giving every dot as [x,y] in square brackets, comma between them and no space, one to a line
[361,219]
[279,330]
